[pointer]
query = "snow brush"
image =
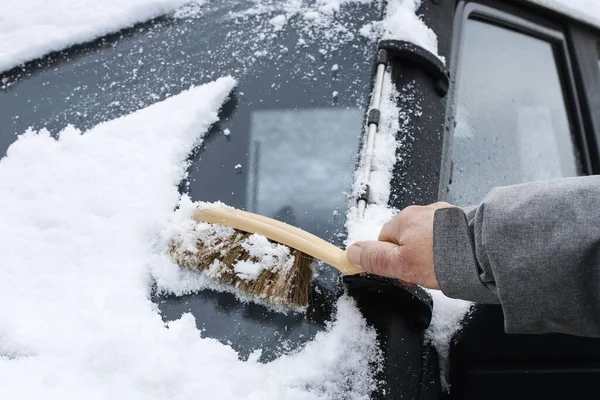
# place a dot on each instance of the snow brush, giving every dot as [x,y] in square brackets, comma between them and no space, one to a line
[222,253]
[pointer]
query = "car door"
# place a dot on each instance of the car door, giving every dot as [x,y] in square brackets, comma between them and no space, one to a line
[524,108]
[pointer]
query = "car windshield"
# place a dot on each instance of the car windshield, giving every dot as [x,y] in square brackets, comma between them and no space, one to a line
[285,147]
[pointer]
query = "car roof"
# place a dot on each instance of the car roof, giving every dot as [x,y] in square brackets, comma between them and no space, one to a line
[576,9]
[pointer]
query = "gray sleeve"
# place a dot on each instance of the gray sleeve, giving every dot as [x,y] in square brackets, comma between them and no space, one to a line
[533,248]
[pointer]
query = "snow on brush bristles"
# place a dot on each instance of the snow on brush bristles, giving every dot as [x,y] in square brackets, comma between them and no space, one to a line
[248,263]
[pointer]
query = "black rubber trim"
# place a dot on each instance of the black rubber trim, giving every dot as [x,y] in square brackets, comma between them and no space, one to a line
[374,116]
[382,56]
[413,302]
[423,58]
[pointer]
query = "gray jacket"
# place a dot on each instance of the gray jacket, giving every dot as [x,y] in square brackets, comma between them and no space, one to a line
[533,248]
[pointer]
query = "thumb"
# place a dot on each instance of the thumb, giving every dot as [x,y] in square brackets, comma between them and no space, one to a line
[380,258]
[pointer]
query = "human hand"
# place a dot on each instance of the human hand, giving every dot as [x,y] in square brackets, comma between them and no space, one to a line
[404,249]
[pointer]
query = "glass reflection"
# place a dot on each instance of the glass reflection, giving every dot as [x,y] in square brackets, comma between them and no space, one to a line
[301,164]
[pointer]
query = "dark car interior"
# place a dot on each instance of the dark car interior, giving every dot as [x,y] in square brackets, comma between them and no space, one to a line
[523,104]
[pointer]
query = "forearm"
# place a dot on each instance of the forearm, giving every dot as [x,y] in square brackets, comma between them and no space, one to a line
[534,248]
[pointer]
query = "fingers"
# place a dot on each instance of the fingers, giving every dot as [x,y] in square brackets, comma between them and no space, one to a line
[380,258]
[393,229]
[405,248]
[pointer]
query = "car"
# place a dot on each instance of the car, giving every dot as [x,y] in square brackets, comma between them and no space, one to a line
[512,95]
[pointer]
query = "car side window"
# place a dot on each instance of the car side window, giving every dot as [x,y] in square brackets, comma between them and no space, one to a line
[512,124]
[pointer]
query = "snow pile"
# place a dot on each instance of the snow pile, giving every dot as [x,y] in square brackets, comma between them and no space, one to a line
[31,28]
[445,323]
[81,216]
[401,22]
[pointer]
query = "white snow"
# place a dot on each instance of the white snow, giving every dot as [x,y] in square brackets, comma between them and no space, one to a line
[401,22]
[182,230]
[32,28]
[237,166]
[335,67]
[82,217]
[226,132]
[445,323]
[584,10]
[327,23]
[378,212]
[264,255]
[79,215]
[185,234]
[260,53]
[189,10]
[278,22]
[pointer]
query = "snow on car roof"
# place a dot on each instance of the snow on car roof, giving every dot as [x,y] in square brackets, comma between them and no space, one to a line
[30,29]
[587,11]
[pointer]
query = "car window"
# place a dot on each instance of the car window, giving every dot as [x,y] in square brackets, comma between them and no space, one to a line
[512,124]
[286,144]
[300,163]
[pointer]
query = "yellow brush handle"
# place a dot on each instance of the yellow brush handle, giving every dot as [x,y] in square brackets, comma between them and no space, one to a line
[279,232]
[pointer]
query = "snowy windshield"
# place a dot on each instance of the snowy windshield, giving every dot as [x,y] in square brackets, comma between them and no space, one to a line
[286,143]
[296,80]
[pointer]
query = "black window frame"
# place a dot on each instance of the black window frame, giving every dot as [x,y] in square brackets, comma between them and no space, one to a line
[516,19]
[585,41]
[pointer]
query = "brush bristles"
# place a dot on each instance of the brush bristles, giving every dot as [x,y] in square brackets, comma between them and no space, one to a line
[288,286]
